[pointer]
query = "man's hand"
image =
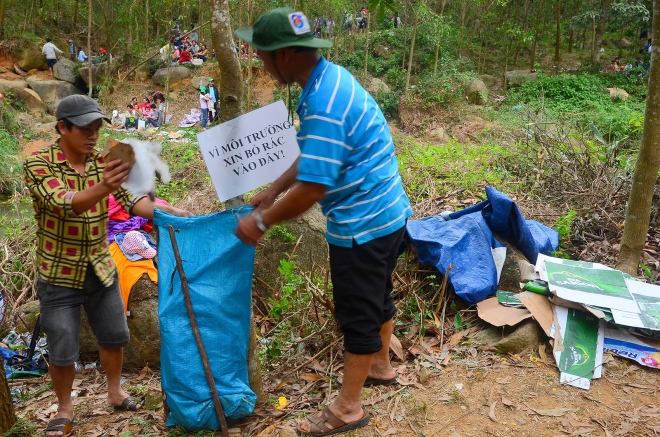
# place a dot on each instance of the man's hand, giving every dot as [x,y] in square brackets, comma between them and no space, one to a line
[115,174]
[247,230]
[263,199]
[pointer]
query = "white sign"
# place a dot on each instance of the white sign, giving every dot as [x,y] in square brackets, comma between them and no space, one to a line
[249,151]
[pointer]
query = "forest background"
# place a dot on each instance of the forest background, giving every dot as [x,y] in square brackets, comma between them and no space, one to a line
[512,94]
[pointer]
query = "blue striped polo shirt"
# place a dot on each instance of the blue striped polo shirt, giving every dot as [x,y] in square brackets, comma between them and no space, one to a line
[346,145]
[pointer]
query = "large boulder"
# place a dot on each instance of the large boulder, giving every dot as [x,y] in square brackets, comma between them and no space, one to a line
[99,71]
[376,85]
[439,135]
[11,85]
[195,81]
[476,92]
[65,70]
[488,79]
[30,101]
[176,74]
[524,337]
[31,57]
[618,94]
[52,91]
[310,253]
[144,347]
[518,77]
[143,73]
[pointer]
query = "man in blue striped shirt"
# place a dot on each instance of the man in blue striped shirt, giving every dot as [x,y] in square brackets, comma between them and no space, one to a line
[348,165]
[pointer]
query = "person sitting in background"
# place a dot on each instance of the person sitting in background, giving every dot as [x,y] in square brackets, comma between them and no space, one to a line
[131,117]
[146,113]
[185,57]
[145,105]
[202,52]
[116,121]
[72,50]
[82,57]
[155,119]
[175,55]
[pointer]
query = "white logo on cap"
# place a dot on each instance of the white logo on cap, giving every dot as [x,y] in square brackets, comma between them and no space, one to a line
[299,23]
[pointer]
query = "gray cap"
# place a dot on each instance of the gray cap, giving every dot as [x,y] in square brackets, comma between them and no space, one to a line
[80,110]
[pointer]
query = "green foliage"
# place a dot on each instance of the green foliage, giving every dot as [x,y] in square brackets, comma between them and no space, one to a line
[563,225]
[22,428]
[11,173]
[292,281]
[280,232]
[389,103]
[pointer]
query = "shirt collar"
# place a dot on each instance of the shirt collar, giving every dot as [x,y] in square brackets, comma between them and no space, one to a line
[310,81]
[60,158]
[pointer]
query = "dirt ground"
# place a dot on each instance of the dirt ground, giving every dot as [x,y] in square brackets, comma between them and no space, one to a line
[470,392]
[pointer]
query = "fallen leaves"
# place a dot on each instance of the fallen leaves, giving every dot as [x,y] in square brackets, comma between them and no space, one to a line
[491,412]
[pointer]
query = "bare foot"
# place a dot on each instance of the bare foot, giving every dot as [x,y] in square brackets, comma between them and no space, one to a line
[383,372]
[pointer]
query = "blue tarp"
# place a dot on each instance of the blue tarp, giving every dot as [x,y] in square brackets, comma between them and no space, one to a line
[465,239]
[218,270]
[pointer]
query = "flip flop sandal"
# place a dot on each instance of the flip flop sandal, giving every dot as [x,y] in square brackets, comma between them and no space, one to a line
[370,382]
[63,425]
[129,404]
[325,423]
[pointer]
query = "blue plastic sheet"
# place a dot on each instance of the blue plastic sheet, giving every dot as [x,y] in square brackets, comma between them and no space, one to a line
[218,270]
[465,239]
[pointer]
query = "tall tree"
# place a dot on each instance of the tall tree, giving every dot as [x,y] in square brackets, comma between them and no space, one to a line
[6,405]
[3,4]
[638,213]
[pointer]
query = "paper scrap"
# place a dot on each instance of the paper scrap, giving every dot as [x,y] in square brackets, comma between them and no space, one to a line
[492,312]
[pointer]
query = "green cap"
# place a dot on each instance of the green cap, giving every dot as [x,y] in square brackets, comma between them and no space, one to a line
[279,28]
[202,89]
[210,79]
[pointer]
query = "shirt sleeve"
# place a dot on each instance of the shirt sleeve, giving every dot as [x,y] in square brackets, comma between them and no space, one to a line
[46,187]
[126,199]
[323,149]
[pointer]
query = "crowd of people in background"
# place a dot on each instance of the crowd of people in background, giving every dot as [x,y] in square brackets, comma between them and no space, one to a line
[151,111]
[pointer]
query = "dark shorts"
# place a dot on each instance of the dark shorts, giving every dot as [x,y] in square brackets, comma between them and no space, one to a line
[51,62]
[60,316]
[362,289]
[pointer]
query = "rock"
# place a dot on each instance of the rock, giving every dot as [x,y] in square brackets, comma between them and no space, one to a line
[376,85]
[144,347]
[527,336]
[382,52]
[48,127]
[311,252]
[32,72]
[19,71]
[65,70]
[3,70]
[477,93]
[98,72]
[30,100]
[27,316]
[618,93]
[488,80]
[12,85]
[31,57]
[195,81]
[52,91]
[143,73]
[439,135]
[177,74]
[625,44]
[518,77]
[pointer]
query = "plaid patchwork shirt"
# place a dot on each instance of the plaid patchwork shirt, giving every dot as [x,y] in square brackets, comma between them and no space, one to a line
[67,243]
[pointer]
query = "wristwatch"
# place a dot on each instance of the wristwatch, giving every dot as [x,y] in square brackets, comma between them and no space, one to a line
[259,219]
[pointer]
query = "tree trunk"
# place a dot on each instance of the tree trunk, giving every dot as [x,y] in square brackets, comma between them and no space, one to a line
[558,35]
[366,46]
[6,405]
[410,55]
[2,17]
[249,83]
[435,63]
[405,41]
[89,45]
[646,169]
[231,85]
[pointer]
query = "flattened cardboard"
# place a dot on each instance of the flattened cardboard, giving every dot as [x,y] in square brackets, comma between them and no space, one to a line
[540,307]
[492,312]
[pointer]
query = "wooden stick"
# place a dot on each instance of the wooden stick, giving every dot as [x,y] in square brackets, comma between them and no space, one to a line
[198,337]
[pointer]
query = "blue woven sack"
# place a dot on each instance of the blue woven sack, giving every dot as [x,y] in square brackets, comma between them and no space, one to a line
[218,269]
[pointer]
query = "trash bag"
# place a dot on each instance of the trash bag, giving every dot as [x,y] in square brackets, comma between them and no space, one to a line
[218,268]
[465,239]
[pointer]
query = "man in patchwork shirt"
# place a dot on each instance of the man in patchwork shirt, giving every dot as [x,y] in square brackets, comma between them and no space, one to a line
[69,183]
